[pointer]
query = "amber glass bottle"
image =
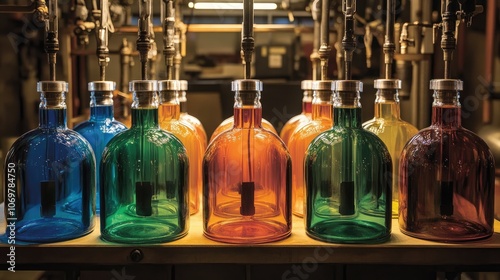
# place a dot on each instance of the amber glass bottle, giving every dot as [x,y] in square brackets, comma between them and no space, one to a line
[303,135]
[246,177]
[169,118]
[303,117]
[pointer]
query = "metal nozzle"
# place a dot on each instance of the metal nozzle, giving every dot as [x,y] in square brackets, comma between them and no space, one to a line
[348,42]
[144,38]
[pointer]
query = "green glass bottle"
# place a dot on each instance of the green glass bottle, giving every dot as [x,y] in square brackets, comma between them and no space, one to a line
[348,177]
[144,178]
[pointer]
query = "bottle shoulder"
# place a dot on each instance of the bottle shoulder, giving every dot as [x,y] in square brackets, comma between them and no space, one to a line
[233,137]
[105,127]
[462,140]
[309,130]
[137,136]
[62,140]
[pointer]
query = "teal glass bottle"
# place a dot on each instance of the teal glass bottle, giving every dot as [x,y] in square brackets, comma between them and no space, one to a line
[348,177]
[144,178]
[101,126]
[50,176]
[446,190]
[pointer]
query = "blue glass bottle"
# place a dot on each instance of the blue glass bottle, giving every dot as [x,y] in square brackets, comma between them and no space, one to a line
[348,177]
[101,126]
[54,175]
[144,178]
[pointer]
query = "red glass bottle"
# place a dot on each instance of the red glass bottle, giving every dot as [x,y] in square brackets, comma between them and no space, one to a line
[322,112]
[246,177]
[447,176]
[303,117]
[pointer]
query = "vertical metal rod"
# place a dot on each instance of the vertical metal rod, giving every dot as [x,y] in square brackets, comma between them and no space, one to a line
[143,39]
[449,10]
[389,46]
[102,38]
[51,38]
[247,40]
[316,15]
[348,42]
[168,19]
[490,54]
[325,49]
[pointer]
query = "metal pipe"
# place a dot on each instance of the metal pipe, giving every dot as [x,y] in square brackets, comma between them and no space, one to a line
[143,40]
[449,10]
[168,19]
[315,60]
[489,55]
[179,40]
[102,38]
[389,46]
[247,40]
[51,38]
[324,49]
[348,42]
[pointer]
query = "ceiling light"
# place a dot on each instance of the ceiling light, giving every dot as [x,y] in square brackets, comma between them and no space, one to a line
[230,6]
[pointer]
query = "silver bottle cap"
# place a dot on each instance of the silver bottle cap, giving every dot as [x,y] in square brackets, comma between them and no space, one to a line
[387,84]
[169,85]
[143,85]
[102,86]
[446,84]
[323,85]
[52,86]
[306,85]
[183,84]
[247,84]
[349,85]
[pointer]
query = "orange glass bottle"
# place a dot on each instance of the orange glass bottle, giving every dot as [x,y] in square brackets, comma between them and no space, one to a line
[246,177]
[322,110]
[304,117]
[169,113]
[185,117]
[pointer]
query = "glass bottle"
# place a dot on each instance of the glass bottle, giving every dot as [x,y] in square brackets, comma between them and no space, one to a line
[228,124]
[101,126]
[447,174]
[348,177]
[303,117]
[246,177]
[390,128]
[185,117]
[50,175]
[144,178]
[322,111]
[168,113]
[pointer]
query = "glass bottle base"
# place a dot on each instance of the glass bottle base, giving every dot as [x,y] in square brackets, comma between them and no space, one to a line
[448,230]
[232,209]
[348,231]
[162,209]
[47,230]
[142,232]
[247,231]
[193,208]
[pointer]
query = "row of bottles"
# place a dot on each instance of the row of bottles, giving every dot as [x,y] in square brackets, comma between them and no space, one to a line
[345,175]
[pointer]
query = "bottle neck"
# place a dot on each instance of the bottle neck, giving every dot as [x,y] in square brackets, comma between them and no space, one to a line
[101,105]
[307,102]
[387,104]
[247,109]
[183,101]
[322,105]
[446,110]
[169,104]
[52,110]
[145,109]
[347,109]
